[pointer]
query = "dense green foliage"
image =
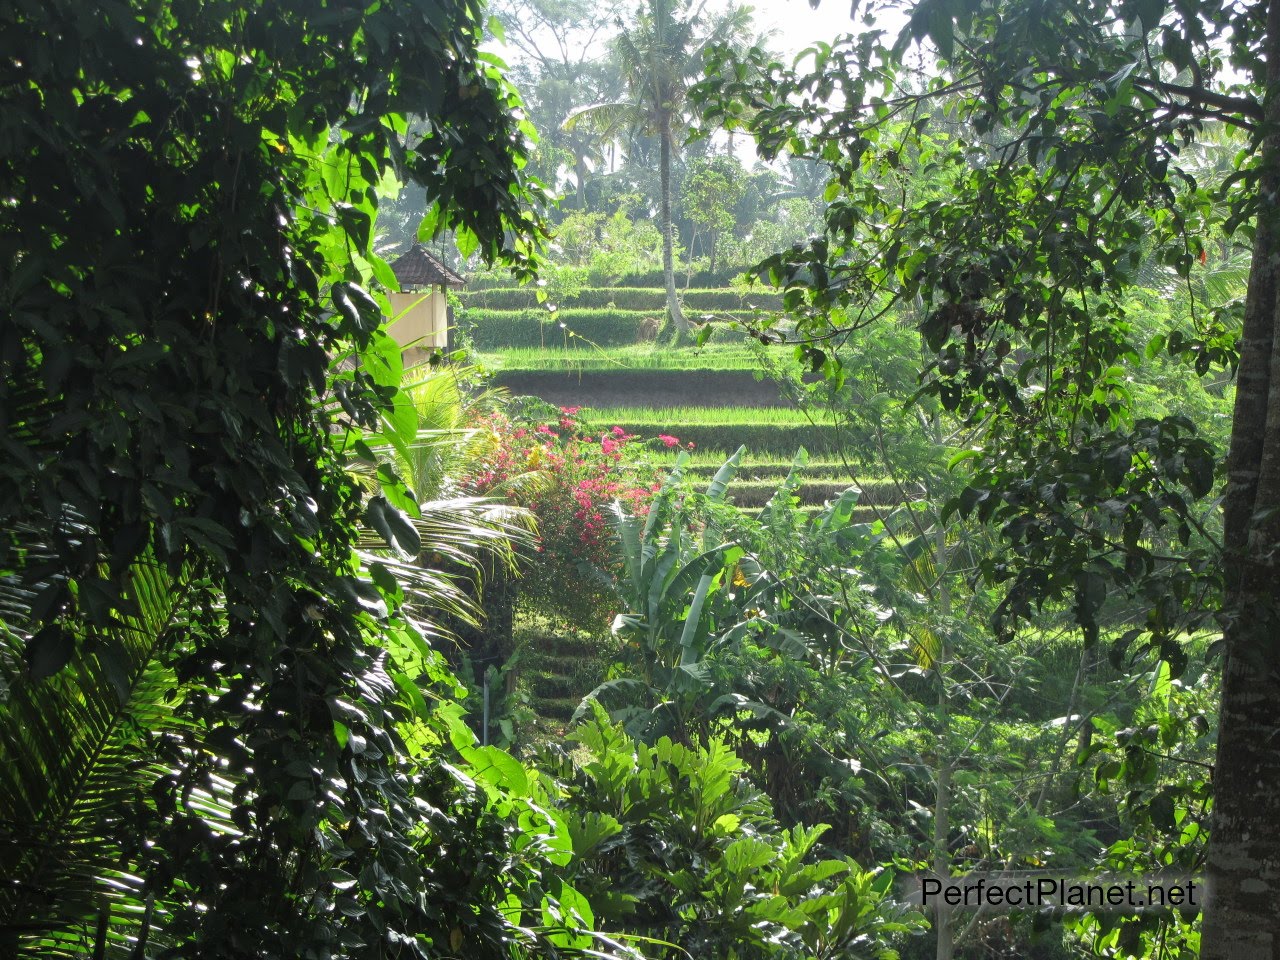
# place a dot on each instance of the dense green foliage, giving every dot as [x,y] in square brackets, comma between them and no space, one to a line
[755,642]
[676,841]
[203,737]
[1064,151]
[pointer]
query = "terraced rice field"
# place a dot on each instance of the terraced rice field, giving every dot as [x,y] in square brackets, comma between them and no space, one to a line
[699,415]
[647,378]
[716,397]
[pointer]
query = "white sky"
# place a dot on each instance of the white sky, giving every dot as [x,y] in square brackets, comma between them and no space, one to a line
[797,25]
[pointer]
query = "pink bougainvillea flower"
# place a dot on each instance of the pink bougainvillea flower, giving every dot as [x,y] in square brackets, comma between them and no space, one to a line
[669,440]
[619,432]
[544,428]
[608,446]
[569,411]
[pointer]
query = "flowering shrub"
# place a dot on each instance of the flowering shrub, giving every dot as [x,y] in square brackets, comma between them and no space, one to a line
[568,477]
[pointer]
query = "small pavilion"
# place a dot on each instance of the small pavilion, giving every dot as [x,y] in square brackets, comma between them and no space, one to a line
[420,314]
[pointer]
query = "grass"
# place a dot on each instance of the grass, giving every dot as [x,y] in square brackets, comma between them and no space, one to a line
[634,357]
[757,492]
[763,467]
[708,461]
[761,464]
[771,440]
[671,419]
[626,298]
[777,431]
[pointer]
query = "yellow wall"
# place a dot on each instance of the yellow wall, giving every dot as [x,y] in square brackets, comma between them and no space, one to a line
[422,319]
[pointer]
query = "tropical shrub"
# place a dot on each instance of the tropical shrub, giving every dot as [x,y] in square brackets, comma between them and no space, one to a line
[214,739]
[674,842]
[606,247]
[569,576]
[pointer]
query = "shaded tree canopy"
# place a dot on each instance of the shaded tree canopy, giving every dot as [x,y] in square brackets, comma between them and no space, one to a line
[1055,138]
[190,191]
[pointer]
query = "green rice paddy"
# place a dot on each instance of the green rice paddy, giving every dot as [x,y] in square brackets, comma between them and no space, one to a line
[586,359]
[669,419]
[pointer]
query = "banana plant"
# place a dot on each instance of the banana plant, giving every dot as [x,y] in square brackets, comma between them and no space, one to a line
[672,572]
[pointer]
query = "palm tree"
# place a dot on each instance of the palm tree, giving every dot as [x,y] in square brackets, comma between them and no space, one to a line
[661,55]
[461,540]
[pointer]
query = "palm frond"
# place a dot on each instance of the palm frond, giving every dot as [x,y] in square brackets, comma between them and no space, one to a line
[437,398]
[463,538]
[606,119]
[74,762]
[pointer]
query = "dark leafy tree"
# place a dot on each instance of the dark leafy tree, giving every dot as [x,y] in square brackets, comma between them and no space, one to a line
[202,714]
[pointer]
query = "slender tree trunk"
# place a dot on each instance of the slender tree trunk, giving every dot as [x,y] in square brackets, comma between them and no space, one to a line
[668,257]
[580,172]
[945,944]
[1242,916]
[945,948]
[688,260]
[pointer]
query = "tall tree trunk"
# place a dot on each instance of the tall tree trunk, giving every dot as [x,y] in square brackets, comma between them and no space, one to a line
[942,925]
[944,948]
[580,172]
[1242,916]
[688,260]
[668,258]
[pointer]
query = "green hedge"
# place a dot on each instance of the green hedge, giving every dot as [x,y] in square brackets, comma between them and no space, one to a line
[623,298]
[701,278]
[496,329]
[646,278]
[777,471]
[581,358]
[730,300]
